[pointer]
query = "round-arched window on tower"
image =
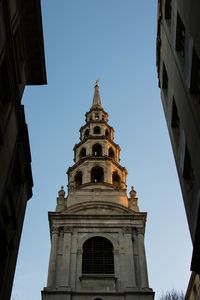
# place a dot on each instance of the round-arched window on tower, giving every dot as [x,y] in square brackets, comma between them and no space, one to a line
[97,150]
[111,152]
[97,130]
[116,180]
[83,152]
[78,179]
[97,256]
[97,174]
[107,133]
[86,133]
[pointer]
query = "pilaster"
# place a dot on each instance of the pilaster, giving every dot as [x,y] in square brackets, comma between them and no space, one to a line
[142,259]
[53,258]
[66,258]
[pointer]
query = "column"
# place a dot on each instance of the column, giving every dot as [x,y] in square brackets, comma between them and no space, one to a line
[65,268]
[53,258]
[142,258]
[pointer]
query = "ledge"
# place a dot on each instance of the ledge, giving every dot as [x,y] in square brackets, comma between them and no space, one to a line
[98,276]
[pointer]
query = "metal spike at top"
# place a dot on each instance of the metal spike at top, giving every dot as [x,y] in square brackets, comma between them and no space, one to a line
[96,98]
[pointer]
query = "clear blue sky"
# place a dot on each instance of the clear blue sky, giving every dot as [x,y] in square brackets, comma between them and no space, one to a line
[113,41]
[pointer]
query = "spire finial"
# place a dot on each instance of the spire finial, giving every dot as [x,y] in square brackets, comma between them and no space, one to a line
[96,98]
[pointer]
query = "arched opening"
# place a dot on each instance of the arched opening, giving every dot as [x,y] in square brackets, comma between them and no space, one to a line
[97,130]
[116,179]
[97,150]
[98,299]
[111,152]
[78,179]
[96,116]
[107,133]
[83,152]
[98,256]
[86,133]
[97,174]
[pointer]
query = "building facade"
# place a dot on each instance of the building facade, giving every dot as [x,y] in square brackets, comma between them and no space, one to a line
[21,63]
[97,232]
[178,65]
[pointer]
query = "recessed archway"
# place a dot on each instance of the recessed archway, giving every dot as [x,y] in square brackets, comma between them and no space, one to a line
[107,133]
[97,130]
[116,179]
[86,133]
[111,152]
[78,179]
[97,150]
[97,174]
[83,152]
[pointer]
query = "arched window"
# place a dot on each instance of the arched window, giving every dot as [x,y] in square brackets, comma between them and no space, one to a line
[98,256]
[86,133]
[78,179]
[116,179]
[111,152]
[96,116]
[106,133]
[83,152]
[97,174]
[97,150]
[97,130]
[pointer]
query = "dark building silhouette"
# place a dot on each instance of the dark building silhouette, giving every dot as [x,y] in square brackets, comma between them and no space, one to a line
[21,63]
[178,65]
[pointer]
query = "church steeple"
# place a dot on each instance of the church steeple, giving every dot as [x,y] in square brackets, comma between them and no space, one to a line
[96,99]
[97,232]
[96,156]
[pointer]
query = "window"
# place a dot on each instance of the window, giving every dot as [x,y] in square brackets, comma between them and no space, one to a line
[98,256]
[168,9]
[188,172]
[78,179]
[96,117]
[97,130]
[86,133]
[82,152]
[97,174]
[116,180]
[180,36]
[164,78]
[175,123]
[97,150]
[195,74]
[111,152]
[107,133]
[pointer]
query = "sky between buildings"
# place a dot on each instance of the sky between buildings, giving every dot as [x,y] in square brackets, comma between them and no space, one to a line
[113,41]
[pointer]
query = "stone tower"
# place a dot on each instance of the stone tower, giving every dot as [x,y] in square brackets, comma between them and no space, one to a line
[97,231]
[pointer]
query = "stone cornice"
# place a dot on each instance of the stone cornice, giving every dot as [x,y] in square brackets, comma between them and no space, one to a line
[95,158]
[91,137]
[95,122]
